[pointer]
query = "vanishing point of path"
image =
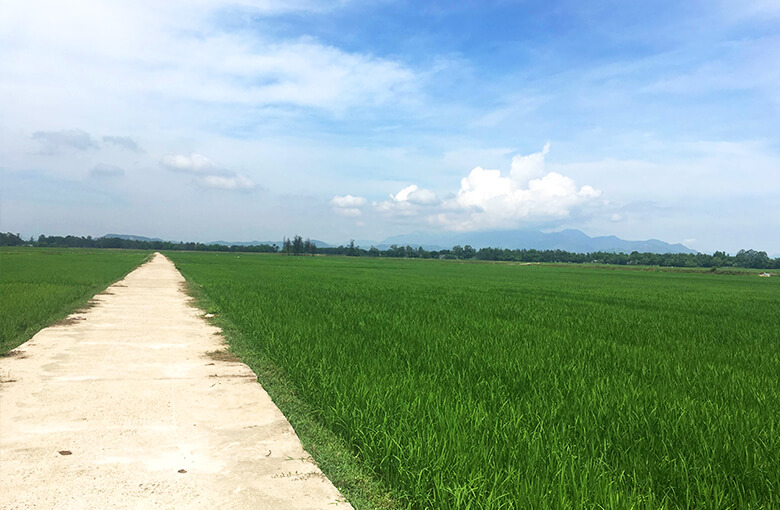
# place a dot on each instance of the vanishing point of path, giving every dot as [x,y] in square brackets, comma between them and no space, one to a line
[124,408]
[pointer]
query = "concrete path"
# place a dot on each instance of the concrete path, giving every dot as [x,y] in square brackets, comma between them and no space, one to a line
[125,408]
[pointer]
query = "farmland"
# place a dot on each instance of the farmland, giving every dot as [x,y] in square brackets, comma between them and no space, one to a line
[38,287]
[505,386]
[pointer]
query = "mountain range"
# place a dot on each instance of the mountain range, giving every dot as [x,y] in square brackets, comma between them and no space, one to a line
[128,237]
[570,240]
[317,243]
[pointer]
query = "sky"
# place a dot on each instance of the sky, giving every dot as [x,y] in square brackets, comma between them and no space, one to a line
[256,119]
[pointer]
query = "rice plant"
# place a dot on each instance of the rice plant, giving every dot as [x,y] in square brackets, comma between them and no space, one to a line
[470,385]
[41,285]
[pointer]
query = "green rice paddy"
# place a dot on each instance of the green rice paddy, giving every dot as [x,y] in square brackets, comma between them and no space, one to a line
[40,286]
[473,385]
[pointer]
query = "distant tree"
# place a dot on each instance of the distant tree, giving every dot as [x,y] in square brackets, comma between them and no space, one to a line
[752,258]
[309,247]
[395,251]
[9,239]
[297,245]
[469,252]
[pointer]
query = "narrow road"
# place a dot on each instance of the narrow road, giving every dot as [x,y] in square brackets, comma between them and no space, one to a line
[125,407]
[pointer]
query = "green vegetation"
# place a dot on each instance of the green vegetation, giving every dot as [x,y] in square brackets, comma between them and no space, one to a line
[298,246]
[38,287]
[473,385]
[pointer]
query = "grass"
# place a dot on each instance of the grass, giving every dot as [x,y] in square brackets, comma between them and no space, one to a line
[507,386]
[39,286]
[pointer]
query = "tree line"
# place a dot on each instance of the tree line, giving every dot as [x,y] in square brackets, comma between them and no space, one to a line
[296,245]
[8,239]
[744,258]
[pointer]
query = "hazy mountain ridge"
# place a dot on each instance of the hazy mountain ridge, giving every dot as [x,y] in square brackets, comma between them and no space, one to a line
[316,242]
[129,237]
[570,240]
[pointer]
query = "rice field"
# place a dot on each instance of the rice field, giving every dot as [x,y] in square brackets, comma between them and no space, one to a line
[40,286]
[474,385]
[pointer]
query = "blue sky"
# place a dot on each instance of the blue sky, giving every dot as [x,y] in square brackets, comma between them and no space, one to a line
[336,120]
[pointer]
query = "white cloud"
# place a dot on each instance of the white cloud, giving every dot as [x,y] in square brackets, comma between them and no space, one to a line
[348,201]
[236,182]
[410,201]
[61,60]
[348,205]
[525,168]
[349,212]
[489,200]
[194,163]
[415,195]
[208,173]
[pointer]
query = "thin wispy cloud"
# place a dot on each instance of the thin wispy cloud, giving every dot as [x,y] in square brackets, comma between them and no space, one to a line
[235,182]
[206,172]
[124,142]
[55,141]
[106,170]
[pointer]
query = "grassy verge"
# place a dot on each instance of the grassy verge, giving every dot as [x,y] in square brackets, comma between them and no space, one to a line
[40,286]
[353,478]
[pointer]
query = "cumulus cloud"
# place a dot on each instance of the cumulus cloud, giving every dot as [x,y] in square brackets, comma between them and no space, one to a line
[348,205]
[487,199]
[347,201]
[207,172]
[414,195]
[54,141]
[410,201]
[106,170]
[525,168]
[349,212]
[236,182]
[194,163]
[124,142]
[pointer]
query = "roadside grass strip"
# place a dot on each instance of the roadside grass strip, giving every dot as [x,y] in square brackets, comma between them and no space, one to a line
[39,286]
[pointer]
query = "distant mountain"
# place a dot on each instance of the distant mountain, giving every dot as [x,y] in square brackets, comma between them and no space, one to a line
[128,237]
[570,240]
[317,243]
